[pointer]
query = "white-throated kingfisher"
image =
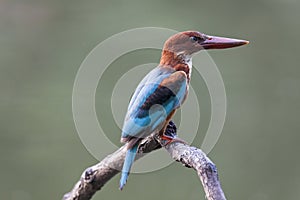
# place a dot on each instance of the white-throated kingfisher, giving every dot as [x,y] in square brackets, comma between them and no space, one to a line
[164,89]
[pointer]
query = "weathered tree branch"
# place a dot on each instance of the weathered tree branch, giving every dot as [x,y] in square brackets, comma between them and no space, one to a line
[93,178]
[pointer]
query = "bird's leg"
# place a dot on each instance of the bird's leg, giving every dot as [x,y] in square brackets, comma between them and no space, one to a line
[168,139]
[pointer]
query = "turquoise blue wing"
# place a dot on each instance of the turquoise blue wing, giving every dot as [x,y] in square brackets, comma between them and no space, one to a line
[152,79]
[160,92]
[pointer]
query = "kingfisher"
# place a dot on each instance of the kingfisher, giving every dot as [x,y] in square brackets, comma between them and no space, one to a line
[163,90]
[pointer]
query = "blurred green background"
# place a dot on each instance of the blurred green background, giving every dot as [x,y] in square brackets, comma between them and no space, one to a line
[42,44]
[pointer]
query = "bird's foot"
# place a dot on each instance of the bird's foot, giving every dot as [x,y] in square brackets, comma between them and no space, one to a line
[168,140]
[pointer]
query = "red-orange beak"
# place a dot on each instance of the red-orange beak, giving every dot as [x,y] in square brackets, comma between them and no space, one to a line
[214,42]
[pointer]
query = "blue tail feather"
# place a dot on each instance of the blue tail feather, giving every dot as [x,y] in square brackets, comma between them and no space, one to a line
[129,159]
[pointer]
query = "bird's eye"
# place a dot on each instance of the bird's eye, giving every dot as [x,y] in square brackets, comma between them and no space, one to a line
[194,38]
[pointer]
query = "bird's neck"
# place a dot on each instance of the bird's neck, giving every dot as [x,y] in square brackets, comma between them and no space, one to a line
[178,61]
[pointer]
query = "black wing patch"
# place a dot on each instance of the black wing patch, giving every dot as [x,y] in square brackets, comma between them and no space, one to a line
[160,96]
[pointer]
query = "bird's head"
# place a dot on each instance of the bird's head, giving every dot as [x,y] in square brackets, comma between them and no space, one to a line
[189,42]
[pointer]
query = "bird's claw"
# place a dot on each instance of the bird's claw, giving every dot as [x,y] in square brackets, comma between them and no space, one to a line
[166,140]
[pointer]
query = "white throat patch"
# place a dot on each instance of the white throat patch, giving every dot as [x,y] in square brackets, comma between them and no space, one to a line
[190,64]
[187,59]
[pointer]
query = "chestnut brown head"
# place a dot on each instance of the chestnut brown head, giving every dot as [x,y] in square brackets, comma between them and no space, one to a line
[190,42]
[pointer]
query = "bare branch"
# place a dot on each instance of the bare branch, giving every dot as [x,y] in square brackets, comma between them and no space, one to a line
[93,178]
[207,171]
